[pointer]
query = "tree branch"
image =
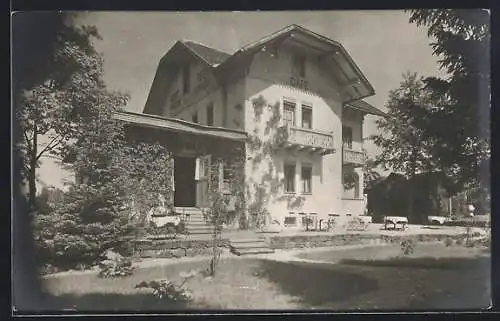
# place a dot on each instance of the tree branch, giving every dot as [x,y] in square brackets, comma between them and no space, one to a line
[27,141]
[49,147]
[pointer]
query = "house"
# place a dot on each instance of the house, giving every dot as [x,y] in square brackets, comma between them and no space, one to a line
[290,105]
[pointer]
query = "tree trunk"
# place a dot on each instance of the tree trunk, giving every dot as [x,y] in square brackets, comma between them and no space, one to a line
[411,182]
[32,171]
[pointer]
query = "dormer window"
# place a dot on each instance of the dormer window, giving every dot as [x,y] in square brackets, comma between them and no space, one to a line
[299,66]
[186,80]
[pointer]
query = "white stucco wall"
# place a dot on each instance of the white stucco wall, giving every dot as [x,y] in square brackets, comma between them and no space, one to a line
[269,77]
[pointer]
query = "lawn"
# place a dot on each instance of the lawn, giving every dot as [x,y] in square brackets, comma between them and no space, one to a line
[457,278]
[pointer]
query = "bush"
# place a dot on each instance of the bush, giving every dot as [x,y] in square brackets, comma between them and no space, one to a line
[448,242]
[115,266]
[407,246]
[164,289]
[169,290]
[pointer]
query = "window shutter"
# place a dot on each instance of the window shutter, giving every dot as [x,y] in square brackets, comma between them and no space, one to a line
[197,169]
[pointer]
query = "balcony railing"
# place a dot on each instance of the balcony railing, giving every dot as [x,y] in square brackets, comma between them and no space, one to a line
[308,140]
[353,157]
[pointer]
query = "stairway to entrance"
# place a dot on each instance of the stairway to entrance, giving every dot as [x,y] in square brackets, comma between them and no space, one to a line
[249,246]
[194,220]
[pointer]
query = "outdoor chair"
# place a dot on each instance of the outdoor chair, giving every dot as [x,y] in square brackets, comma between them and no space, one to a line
[330,224]
[356,224]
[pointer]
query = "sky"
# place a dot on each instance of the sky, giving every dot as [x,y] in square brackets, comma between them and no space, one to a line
[383,44]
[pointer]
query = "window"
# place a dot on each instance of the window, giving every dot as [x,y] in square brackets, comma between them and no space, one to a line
[347,136]
[194,117]
[201,76]
[186,80]
[289,113]
[210,115]
[299,66]
[306,116]
[290,220]
[289,178]
[351,184]
[306,179]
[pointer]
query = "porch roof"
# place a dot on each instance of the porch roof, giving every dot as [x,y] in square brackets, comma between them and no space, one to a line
[365,107]
[177,125]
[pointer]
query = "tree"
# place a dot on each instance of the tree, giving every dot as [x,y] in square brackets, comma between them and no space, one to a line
[66,91]
[404,149]
[33,37]
[119,181]
[370,174]
[459,123]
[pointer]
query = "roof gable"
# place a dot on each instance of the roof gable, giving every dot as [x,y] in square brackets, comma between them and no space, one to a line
[365,107]
[210,55]
[220,62]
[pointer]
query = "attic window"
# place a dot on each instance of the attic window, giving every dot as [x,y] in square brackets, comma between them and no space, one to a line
[299,66]
[186,80]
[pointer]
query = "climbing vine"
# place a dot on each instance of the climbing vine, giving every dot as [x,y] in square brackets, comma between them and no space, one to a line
[263,144]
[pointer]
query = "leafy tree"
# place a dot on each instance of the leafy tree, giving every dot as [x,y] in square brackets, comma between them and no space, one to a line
[404,149]
[119,181]
[34,36]
[459,123]
[370,174]
[65,90]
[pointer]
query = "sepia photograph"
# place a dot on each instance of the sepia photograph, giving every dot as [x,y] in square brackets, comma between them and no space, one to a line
[331,161]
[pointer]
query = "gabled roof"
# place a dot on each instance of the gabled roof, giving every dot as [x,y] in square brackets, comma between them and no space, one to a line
[365,107]
[212,56]
[351,76]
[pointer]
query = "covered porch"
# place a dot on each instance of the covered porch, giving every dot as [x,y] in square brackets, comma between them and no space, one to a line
[193,148]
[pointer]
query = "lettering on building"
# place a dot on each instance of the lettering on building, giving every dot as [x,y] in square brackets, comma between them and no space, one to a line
[299,83]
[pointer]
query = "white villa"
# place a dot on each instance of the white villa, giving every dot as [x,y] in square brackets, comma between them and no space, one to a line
[293,83]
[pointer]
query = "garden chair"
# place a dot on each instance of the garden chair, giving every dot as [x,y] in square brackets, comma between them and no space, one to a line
[331,224]
[356,224]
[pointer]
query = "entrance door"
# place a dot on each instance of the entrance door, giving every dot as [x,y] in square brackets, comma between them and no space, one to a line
[202,181]
[185,184]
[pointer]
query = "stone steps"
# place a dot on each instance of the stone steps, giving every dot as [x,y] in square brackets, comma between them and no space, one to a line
[263,250]
[195,220]
[249,246]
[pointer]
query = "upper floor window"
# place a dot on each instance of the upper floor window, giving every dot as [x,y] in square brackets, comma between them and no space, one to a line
[299,66]
[347,136]
[201,75]
[289,113]
[306,116]
[306,179]
[186,79]
[210,114]
[194,117]
[289,178]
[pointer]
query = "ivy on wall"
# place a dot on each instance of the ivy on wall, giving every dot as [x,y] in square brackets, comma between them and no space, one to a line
[263,144]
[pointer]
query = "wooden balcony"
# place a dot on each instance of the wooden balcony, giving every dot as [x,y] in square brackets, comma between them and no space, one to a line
[353,157]
[309,140]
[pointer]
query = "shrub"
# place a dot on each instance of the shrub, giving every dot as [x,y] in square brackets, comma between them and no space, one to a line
[169,290]
[164,289]
[448,242]
[407,246]
[115,266]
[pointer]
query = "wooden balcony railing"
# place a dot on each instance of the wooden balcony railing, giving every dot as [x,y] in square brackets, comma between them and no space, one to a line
[309,140]
[353,157]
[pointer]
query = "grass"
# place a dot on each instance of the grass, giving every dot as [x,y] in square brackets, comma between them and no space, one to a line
[423,280]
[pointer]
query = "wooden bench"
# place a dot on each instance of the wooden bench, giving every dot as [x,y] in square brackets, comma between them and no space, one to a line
[397,222]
